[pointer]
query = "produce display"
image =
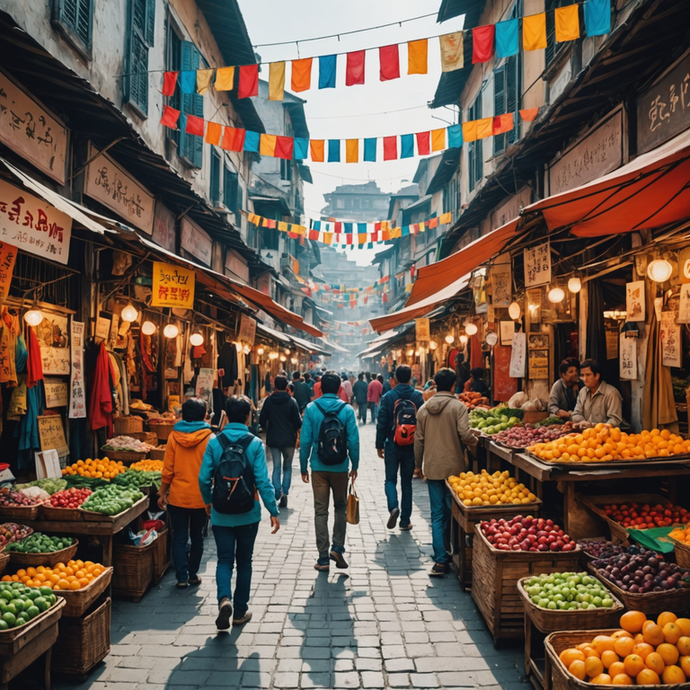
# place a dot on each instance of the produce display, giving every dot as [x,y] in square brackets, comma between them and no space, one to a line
[19,604]
[97,469]
[40,543]
[681,535]
[568,592]
[493,421]
[127,444]
[137,479]
[472,400]
[643,516]
[603,443]
[524,436]
[147,466]
[50,486]
[112,499]
[69,498]
[600,549]
[526,534]
[11,498]
[485,489]
[640,570]
[11,532]
[73,576]
[643,652]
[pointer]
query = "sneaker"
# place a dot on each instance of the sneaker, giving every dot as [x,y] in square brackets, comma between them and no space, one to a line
[439,570]
[337,556]
[194,580]
[393,518]
[181,585]
[407,528]
[283,501]
[323,564]
[241,621]
[224,614]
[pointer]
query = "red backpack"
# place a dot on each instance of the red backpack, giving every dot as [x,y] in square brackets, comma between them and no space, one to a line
[404,422]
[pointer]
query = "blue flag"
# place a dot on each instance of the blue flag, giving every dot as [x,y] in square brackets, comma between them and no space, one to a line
[507,38]
[188,81]
[327,69]
[301,148]
[370,150]
[597,17]
[406,145]
[334,150]
[454,136]
[252,141]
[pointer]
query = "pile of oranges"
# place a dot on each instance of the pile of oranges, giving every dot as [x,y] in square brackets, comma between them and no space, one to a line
[603,443]
[643,652]
[147,466]
[485,489]
[75,575]
[681,535]
[96,469]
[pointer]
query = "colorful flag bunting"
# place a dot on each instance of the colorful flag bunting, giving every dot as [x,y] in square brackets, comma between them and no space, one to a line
[284,147]
[327,71]
[482,43]
[390,148]
[446,218]
[170,117]
[249,81]
[203,80]
[438,139]
[452,51]
[597,17]
[352,150]
[317,150]
[225,79]
[469,130]
[188,81]
[169,83]
[355,68]
[417,57]
[567,20]
[301,74]
[455,137]
[389,62]
[276,81]
[252,141]
[334,150]
[507,38]
[213,133]
[530,114]
[370,150]
[267,146]
[301,148]
[423,143]
[485,127]
[195,125]
[407,146]
[233,139]
[503,123]
[534,32]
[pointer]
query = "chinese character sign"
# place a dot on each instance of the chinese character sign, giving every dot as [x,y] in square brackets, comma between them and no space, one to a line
[173,286]
[518,356]
[635,301]
[8,255]
[537,265]
[671,341]
[422,333]
[32,225]
[684,304]
[77,397]
[628,358]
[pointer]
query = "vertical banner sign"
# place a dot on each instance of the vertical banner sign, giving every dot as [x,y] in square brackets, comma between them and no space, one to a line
[501,282]
[8,255]
[628,358]
[422,330]
[684,304]
[518,355]
[537,265]
[247,332]
[671,341]
[77,396]
[173,286]
[634,301]
[204,386]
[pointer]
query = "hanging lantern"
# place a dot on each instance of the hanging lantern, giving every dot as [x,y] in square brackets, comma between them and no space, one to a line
[260,351]
[273,355]
[287,351]
[556,295]
[171,331]
[514,311]
[433,345]
[129,314]
[33,317]
[450,339]
[463,340]
[196,339]
[283,358]
[491,338]
[148,328]
[470,329]
[410,353]
[575,284]
[659,270]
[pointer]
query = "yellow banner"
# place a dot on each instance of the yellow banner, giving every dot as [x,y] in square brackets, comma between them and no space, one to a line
[173,286]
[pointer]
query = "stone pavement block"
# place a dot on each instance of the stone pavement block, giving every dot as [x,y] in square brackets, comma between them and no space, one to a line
[399,680]
[373,679]
[316,680]
[346,680]
[252,679]
[286,680]
[424,680]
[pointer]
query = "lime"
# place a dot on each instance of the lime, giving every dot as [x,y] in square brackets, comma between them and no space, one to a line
[10,619]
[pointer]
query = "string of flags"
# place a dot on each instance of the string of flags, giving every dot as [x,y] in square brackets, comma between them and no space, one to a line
[501,39]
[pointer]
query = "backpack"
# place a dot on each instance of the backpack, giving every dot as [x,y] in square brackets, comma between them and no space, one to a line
[233,481]
[404,422]
[332,441]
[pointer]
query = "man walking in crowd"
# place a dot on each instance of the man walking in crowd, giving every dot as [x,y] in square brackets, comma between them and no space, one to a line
[303,393]
[598,401]
[564,392]
[180,494]
[347,386]
[442,435]
[389,383]
[395,444]
[281,418]
[342,393]
[330,444]
[374,393]
[309,381]
[235,533]
[359,391]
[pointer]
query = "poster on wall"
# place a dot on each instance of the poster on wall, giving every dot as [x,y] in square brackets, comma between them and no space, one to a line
[501,281]
[628,358]
[634,301]
[173,286]
[53,339]
[8,255]
[518,355]
[204,386]
[537,265]
[247,332]
[684,304]
[55,392]
[103,328]
[539,364]
[507,333]
[77,403]
[421,329]
[671,341]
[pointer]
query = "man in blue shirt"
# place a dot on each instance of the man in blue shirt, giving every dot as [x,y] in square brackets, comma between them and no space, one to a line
[397,458]
[327,479]
[235,534]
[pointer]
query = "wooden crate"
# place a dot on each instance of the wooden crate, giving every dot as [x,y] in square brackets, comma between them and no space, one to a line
[78,601]
[495,575]
[133,570]
[92,516]
[51,558]
[83,642]
[161,554]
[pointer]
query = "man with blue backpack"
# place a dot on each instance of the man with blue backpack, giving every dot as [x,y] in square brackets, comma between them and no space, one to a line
[329,437]
[395,428]
[232,477]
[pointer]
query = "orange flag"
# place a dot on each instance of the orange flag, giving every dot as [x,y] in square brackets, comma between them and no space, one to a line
[438,139]
[276,81]
[534,31]
[317,150]
[352,150]
[567,21]
[530,114]
[485,127]
[301,74]
[267,146]
[417,54]
[213,132]
[469,130]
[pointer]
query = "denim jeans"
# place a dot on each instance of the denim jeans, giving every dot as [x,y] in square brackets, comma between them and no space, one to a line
[439,501]
[399,458]
[362,411]
[235,546]
[374,409]
[186,524]
[323,483]
[282,486]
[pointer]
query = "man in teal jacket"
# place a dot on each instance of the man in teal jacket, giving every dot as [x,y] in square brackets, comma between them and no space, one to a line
[235,534]
[329,478]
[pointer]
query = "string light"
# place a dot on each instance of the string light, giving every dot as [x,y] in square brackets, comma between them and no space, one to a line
[450,339]
[196,339]
[148,328]
[171,331]
[129,314]
[33,317]
[471,329]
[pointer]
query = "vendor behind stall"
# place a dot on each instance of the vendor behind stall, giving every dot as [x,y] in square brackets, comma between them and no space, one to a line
[598,401]
[564,392]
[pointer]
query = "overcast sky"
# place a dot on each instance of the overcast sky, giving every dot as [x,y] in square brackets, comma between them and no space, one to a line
[374,109]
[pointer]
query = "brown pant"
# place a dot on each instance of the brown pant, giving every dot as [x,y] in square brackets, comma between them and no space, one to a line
[322,484]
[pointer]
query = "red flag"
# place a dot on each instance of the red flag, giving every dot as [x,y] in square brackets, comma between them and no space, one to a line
[348,239]
[503,123]
[233,139]
[389,62]
[483,43]
[195,125]
[338,227]
[169,83]
[170,117]
[433,223]
[249,81]
[272,223]
[390,148]
[377,226]
[354,73]
[284,147]
[530,114]
[313,234]
[423,143]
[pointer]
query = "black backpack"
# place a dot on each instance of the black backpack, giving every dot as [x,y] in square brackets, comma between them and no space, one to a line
[233,481]
[404,422]
[332,441]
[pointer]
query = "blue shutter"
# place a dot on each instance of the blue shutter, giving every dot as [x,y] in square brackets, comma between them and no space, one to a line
[191,146]
[77,15]
[136,83]
[513,96]
[150,22]
[499,106]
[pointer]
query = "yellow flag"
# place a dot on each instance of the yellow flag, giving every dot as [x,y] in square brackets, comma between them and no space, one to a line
[534,32]
[225,79]
[567,23]
[469,130]
[276,81]
[445,218]
[203,80]
[417,54]
[282,226]
[485,127]
[452,51]
[352,150]
[438,139]
[267,145]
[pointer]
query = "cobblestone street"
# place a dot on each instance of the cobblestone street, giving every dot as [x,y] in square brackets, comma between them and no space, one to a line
[382,624]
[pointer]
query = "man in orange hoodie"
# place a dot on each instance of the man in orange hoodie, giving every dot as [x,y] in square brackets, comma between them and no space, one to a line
[180,494]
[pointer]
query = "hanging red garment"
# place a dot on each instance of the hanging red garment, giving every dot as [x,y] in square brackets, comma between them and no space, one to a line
[101,401]
[34,366]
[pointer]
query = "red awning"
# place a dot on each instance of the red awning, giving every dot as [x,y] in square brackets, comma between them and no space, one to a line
[431,279]
[650,192]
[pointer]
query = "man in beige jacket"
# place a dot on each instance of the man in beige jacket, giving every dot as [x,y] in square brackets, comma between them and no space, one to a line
[442,434]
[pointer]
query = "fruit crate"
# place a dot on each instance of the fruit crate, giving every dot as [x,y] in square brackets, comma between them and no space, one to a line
[495,575]
[19,513]
[161,554]
[49,558]
[126,426]
[93,516]
[682,552]
[51,513]
[78,601]
[134,570]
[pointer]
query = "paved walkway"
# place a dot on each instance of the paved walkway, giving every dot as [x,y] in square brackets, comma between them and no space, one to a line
[382,624]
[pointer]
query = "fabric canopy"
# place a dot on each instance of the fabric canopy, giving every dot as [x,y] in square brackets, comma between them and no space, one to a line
[431,279]
[650,192]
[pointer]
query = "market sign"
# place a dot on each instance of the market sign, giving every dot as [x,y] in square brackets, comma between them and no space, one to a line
[237,265]
[173,286]
[247,332]
[109,184]
[8,255]
[28,128]
[664,110]
[537,263]
[196,242]
[422,330]
[32,225]
[164,228]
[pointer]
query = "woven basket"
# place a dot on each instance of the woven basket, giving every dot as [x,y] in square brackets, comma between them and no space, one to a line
[157,454]
[50,558]
[145,437]
[650,603]
[162,431]
[78,601]
[19,513]
[51,513]
[83,642]
[547,620]
[682,553]
[125,456]
[134,571]
[4,560]
[161,554]
[126,426]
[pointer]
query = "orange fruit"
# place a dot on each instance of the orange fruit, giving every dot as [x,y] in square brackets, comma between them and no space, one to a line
[672,675]
[602,679]
[648,677]
[616,668]
[666,617]
[632,621]
[672,633]
[621,633]
[577,668]
[684,625]
[567,656]
[685,665]
[653,634]
[639,638]
[74,585]
[593,666]
[683,646]
[668,652]
[634,663]
[643,649]
[656,662]
[624,646]
[591,652]
[603,643]
[622,679]
[609,657]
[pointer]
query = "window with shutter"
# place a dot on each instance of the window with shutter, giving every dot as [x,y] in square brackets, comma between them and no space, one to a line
[136,81]
[499,106]
[74,18]
[214,191]
[553,48]
[513,82]
[475,149]
[190,145]
[230,189]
